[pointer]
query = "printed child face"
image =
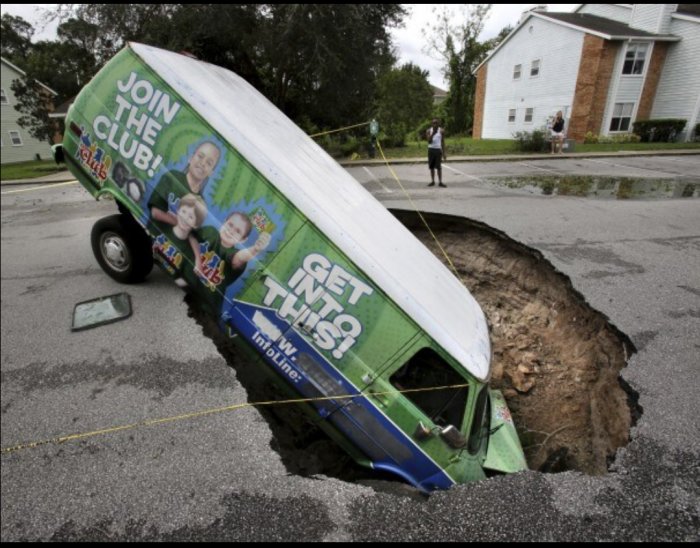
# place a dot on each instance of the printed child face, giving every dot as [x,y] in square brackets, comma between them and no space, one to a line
[233,231]
[204,161]
[186,217]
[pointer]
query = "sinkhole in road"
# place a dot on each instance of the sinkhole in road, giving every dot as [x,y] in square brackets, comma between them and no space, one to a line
[556,360]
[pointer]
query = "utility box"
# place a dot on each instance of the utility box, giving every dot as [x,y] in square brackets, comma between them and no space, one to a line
[569,145]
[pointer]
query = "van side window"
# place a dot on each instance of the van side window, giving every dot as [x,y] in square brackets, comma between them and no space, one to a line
[425,371]
[479,423]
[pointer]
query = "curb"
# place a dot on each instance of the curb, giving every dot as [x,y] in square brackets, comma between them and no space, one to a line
[67,176]
[62,177]
[521,157]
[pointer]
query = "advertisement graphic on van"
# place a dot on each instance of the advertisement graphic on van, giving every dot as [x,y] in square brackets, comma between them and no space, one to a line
[278,271]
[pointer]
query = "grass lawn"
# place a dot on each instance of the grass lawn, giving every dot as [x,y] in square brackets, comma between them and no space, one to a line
[464,146]
[30,170]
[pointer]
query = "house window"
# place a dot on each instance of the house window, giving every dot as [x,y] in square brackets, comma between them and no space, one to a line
[528,114]
[517,69]
[535,68]
[15,138]
[3,97]
[511,115]
[634,59]
[622,116]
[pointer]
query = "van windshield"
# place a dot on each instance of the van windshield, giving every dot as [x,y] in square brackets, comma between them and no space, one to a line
[424,379]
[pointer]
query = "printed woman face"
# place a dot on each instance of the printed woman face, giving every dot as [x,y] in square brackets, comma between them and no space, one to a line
[234,231]
[204,161]
[186,217]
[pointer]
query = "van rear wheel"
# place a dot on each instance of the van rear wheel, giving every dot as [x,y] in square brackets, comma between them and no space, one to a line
[122,248]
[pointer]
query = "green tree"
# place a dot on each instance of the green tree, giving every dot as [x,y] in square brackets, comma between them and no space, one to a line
[64,65]
[323,60]
[34,102]
[457,45]
[117,24]
[16,38]
[317,62]
[405,100]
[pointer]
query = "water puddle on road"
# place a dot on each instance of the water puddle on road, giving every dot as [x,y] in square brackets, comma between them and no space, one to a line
[556,360]
[602,187]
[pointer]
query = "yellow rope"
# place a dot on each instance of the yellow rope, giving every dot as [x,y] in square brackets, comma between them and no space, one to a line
[153,422]
[341,129]
[413,205]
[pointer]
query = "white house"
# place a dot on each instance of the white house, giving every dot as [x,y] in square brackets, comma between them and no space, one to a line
[604,66]
[16,145]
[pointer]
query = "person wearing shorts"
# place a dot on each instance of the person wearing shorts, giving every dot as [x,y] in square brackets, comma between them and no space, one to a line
[436,151]
[558,133]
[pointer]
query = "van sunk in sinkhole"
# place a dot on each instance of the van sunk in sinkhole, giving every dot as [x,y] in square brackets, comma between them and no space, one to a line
[295,261]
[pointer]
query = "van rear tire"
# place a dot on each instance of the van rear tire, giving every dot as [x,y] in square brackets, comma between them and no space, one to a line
[122,248]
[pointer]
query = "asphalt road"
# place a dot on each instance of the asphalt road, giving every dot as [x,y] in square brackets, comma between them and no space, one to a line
[216,477]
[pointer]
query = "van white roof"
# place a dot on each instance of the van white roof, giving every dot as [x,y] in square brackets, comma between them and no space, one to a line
[334,201]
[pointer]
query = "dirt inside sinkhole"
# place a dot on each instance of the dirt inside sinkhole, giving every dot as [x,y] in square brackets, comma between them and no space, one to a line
[556,360]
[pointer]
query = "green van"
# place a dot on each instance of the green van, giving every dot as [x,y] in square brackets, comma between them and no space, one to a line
[294,259]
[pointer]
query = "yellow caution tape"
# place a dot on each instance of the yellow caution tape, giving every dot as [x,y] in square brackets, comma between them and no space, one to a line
[153,422]
[415,208]
[341,129]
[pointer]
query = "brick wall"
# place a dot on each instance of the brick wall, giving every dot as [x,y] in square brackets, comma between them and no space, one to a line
[592,85]
[653,76]
[479,101]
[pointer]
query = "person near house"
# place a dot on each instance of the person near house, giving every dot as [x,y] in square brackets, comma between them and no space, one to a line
[558,133]
[436,151]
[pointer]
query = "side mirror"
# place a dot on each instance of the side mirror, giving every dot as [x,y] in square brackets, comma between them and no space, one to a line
[422,432]
[453,437]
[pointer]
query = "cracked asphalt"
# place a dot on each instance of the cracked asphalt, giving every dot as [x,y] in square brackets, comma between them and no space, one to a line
[216,478]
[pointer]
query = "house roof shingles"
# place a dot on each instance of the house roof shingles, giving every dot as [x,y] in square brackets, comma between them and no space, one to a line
[601,25]
[688,9]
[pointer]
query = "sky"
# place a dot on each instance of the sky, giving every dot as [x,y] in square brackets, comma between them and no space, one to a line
[410,41]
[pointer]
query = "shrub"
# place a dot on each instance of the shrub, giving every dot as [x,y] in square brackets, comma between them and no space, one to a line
[608,139]
[341,146]
[393,134]
[350,146]
[590,138]
[422,128]
[697,132]
[534,141]
[661,130]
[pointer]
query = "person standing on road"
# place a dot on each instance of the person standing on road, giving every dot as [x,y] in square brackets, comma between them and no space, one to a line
[558,133]
[436,151]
